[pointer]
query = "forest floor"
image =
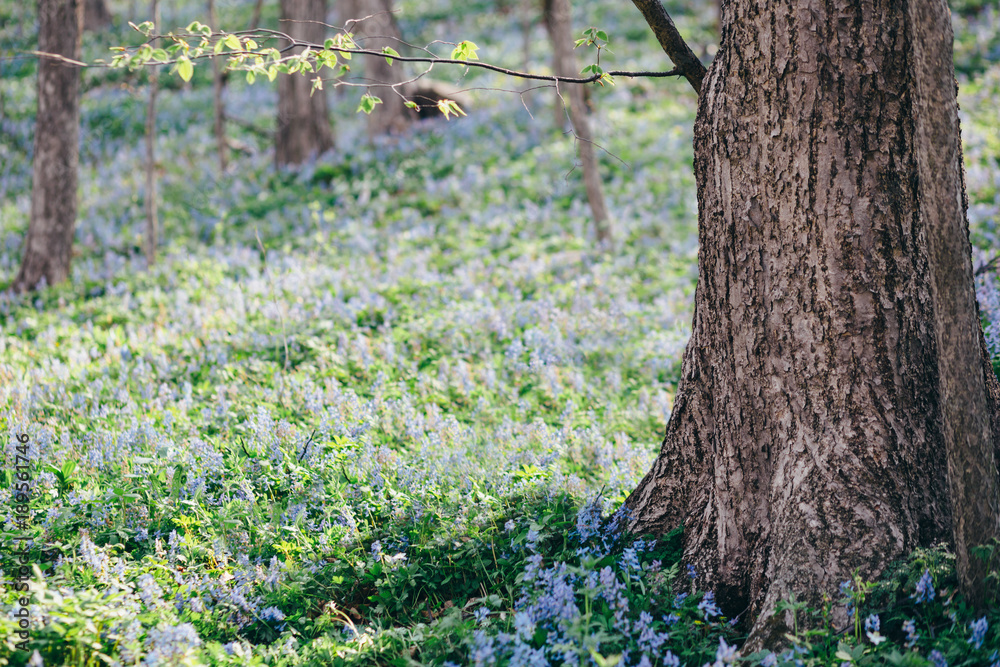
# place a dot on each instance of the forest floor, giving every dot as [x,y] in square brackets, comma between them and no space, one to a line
[382,409]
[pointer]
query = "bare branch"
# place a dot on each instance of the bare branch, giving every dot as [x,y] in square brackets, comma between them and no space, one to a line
[56,56]
[673,44]
[987,267]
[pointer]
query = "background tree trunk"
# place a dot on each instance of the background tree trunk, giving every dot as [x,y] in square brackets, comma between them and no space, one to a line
[558,22]
[152,214]
[96,15]
[303,120]
[808,438]
[374,33]
[972,469]
[49,244]
[218,85]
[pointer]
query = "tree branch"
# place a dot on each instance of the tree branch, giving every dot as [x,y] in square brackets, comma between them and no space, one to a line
[471,63]
[673,44]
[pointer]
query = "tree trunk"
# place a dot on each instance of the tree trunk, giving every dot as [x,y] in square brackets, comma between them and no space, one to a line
[152,213]
[972,470]
[49,244]
[378,31]
[96,15]
[558,22]
[218,85]
[808,437]
[258,9]
[303,120]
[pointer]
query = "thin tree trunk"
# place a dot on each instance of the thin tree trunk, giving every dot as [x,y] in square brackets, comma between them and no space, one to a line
[376,32]
[808,437]
[152,222]
[558,22]
[255,19]
[303,118]
[49,243]
[218,84]
[96,15]
[525,8]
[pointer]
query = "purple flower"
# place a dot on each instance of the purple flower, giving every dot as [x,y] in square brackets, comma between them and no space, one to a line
[925,588]
[978,632]
[708,607]
[481,614]
[911,633]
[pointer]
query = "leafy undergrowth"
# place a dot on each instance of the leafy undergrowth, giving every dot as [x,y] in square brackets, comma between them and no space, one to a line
[382,410]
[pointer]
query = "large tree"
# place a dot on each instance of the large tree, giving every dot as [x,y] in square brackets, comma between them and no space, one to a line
[49,243]
[303,116]
[835,405]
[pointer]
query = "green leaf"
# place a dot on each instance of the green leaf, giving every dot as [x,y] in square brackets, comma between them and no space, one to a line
[233,43]
[601,35]
[465,50]
[447,107]
[410,104]
[145,27]
[184,68]
[368,103]
[251,77]
[160,55]
[218,47]
[388,50]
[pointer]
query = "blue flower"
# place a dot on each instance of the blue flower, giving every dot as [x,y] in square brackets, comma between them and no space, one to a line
[770,660]
[726,654]
[925,588]
[871,629]
[708,607]
[481,614]
[978,632]
[272,614]
[938,659]
[691,572]
[911,633]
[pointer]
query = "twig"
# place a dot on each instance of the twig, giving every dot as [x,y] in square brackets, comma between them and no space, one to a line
[309,441]
[987,267]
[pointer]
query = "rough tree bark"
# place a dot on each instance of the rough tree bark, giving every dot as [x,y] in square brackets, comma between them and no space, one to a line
[49,244]
[303,120]
[377,30]
[558,22]
[817,402]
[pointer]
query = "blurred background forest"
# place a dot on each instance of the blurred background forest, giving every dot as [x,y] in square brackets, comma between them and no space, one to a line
[354,400]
